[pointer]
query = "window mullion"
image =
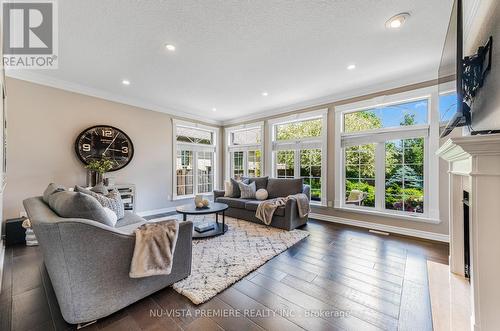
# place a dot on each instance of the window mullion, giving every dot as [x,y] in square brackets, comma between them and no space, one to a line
[297,163]
[245,163]
[380,176]
[195,172]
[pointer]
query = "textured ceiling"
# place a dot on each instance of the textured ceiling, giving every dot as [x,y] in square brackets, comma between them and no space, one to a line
[229,52]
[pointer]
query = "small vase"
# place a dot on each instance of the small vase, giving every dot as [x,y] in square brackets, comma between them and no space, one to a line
[90,178]
[98,178]
[93,178]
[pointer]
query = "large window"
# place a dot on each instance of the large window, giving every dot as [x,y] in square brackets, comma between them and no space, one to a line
[299,150]
[194,147]
[385,154]
[244,151]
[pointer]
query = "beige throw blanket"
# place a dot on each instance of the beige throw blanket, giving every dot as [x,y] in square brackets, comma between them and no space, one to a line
[266,209]
[154,249]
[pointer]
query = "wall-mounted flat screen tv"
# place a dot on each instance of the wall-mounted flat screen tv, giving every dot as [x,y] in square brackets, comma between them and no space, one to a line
[450,75]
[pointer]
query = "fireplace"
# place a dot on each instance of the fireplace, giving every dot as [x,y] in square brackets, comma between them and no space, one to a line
[466,206]
[474,172]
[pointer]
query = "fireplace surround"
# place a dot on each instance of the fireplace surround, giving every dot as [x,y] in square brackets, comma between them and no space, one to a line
[474,167]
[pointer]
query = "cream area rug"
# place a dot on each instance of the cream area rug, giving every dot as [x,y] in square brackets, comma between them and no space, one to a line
[221,261]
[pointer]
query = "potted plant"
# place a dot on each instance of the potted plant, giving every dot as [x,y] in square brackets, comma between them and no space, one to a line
[96,170]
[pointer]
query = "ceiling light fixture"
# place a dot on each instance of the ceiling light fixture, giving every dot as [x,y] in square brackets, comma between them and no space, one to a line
[397,21]
[125,82]
[265,94]
[170,47]
[214,109]
[351,67]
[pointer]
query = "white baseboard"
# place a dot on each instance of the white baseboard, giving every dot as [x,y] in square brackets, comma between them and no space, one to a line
[383,227]
[156,211]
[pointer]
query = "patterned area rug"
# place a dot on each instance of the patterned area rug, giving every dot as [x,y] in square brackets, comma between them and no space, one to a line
[221,261]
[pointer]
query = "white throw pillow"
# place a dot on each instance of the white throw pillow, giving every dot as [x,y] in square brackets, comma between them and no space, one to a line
[228,188]
[111,215]
[261,194]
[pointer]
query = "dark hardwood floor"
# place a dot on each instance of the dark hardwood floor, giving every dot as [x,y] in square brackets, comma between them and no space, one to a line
[338,278]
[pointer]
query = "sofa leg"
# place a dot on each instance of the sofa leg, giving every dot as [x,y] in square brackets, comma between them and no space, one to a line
[84,325]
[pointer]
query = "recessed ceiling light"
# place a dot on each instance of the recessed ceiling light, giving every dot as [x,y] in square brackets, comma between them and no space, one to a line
[265,94]
[214,109]
[397,21]
[351,67]
[170,47]
[125,82]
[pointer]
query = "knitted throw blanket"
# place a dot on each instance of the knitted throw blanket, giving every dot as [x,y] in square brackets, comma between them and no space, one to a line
[154,249]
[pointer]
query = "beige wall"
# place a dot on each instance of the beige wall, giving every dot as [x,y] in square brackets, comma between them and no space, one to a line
[43,123]
[441,228]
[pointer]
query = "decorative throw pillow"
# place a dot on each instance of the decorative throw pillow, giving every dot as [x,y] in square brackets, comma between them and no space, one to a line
[283,187]
[78,205]
[111,216]
[247,190]
[228,188]
[52,188]
[112,200]
[100,188]
[261,194]
[236,188]
[260,182]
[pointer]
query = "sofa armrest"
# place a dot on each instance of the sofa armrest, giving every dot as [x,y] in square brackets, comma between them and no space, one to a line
[218,194]
[306,189]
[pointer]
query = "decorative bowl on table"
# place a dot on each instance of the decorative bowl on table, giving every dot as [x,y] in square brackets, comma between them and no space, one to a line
[201,203]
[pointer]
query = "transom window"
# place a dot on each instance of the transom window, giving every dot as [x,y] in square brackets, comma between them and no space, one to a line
[299,150]
[194,147]
[385,152]
[244,151]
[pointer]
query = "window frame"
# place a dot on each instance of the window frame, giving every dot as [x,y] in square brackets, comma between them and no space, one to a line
[195,148]
[298,144]
[430,133]
[245,148]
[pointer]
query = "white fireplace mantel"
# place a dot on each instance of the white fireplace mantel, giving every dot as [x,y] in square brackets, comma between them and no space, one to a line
[474,166]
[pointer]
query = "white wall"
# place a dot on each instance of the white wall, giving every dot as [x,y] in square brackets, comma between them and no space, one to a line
[486,110]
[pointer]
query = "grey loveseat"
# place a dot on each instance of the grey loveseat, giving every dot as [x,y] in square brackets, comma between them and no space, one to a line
[88,262]
[286,217]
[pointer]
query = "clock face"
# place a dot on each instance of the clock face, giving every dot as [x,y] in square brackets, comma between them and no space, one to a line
[104,141]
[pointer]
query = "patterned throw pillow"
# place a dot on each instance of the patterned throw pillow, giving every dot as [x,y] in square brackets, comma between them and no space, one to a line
[247,191]
[112,200]
[236,188]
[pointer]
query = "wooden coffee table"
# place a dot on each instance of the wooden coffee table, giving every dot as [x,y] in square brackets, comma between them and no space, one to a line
[213,208]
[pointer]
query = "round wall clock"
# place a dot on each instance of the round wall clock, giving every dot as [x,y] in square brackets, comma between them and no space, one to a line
[104,141]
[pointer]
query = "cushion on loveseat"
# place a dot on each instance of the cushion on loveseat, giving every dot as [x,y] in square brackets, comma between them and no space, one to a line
[233,202]
[283,187]
[260,182]
[51,189]
[78,205]
[253,204]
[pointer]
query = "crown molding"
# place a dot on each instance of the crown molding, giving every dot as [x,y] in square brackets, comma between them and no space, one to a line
[37,78]
[408,80]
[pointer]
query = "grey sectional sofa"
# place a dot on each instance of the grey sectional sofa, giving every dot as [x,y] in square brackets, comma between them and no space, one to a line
[88,262]
[286,217]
